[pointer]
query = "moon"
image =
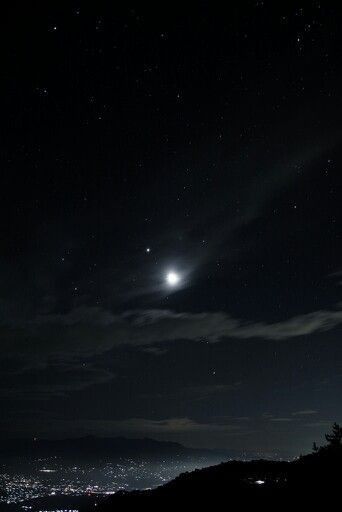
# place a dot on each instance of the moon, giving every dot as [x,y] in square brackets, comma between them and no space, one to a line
[172,278]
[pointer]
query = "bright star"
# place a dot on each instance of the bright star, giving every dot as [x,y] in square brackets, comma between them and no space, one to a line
[172,278]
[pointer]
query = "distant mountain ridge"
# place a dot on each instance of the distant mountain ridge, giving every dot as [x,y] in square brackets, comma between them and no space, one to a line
[91,446]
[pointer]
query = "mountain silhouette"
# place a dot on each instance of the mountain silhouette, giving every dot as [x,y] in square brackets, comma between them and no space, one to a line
[96,447]
[309,478]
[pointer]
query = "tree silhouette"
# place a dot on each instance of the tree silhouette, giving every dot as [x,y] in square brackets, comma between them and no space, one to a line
[335,438]
[315,448]
[334,443]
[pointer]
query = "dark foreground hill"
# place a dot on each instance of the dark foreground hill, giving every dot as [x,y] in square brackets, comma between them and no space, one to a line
[262,482]
[310,479]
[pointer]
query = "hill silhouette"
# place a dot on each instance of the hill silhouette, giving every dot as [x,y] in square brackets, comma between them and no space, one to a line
[91,447]
[311,477]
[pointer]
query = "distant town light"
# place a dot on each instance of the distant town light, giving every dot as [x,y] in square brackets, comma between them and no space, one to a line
[259,482]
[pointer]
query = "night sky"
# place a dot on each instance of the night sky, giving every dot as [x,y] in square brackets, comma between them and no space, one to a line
[170,254]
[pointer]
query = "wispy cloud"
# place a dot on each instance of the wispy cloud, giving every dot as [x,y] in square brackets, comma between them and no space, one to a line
[305,412]
[168,426]
[90,330]
[51,381]
[281,420]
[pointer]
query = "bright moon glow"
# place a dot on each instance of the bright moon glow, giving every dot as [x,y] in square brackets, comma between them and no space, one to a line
[172,278]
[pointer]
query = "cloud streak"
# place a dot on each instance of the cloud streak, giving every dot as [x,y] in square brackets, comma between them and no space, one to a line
[52,381]
[88,331]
